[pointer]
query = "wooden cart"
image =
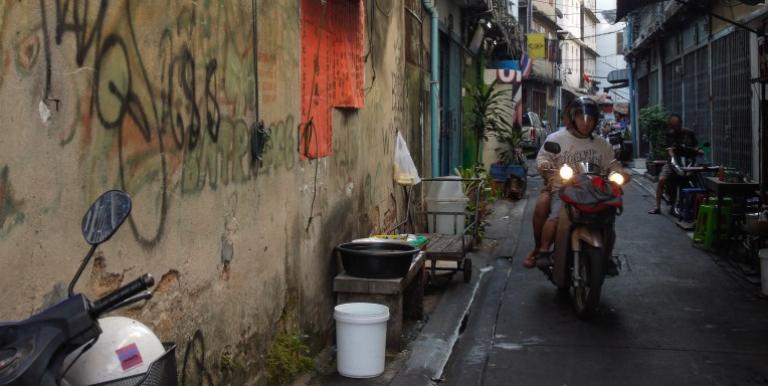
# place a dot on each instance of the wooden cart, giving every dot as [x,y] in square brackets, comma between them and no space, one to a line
[447,252]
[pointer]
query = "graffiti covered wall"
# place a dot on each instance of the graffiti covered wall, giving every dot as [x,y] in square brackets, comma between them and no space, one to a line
[159,99]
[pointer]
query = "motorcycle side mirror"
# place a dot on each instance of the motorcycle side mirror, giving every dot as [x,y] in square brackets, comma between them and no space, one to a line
[100,222]
[552,147]
[105,216]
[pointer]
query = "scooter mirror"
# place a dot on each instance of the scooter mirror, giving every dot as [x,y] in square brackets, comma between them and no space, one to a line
[105,216]
[552,147]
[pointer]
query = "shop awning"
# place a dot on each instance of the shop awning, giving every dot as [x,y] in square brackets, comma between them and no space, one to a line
[573,91]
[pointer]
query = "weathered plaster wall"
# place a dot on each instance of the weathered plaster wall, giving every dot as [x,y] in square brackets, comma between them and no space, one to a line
[157,98]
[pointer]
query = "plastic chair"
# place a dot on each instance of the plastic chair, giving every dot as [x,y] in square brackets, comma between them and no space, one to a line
[727,202]
[699,200]
[688,201]
[706,226]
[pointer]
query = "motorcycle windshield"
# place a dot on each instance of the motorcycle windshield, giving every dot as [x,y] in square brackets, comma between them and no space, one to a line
[587,168]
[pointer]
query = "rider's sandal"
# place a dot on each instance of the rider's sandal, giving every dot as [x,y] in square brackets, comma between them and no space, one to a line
[654,211]
[544,260]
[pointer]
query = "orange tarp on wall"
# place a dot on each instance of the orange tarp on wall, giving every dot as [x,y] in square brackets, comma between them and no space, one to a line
[332,70]
[348,42]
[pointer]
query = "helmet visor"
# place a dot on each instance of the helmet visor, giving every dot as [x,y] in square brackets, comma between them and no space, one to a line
[587,109]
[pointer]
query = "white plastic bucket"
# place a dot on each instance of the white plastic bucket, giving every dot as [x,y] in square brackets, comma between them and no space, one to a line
[361,339]
[764,270]
[447,224]
[445,189]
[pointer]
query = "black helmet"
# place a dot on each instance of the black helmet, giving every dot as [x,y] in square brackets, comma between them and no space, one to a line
[586,106]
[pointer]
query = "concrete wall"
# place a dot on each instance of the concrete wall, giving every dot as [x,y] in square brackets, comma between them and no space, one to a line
[571,61]
[610,59]
[571,20]
[157,98]
[590,32]
[732,11]
[450,15]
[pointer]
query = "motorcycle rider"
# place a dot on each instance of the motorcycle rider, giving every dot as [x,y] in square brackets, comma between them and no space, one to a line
[541,210]
[578,144]
[679,139]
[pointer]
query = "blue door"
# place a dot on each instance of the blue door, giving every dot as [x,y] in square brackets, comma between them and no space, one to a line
[450,105]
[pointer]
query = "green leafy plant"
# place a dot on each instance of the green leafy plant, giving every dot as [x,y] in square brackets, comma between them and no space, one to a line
[512,152]
[472,189]
[491,111]
[653,120]
[288,358]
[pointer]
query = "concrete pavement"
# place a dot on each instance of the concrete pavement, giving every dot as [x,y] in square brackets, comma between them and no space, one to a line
[672,317]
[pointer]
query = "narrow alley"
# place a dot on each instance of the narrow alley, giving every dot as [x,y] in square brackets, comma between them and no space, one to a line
[673,316]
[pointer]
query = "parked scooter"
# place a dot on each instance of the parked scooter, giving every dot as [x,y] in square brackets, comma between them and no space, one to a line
[585,237]
[71,344]
[615,136]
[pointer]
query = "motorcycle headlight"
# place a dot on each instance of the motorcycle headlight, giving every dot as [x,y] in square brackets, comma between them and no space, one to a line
[566,172]
[616,178]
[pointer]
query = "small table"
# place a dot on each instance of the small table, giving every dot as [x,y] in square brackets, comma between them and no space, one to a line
[403,296]
[722,188]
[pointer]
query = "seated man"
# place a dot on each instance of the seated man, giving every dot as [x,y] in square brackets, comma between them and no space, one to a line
[577,144]
[679,140]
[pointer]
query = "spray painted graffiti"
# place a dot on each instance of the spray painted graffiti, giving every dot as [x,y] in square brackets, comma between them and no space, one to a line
[10,215]
[174,113]
[282,148]
[223,161]
[194,371]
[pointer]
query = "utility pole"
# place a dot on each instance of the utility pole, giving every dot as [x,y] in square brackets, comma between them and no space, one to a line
[528,27]
[529,16]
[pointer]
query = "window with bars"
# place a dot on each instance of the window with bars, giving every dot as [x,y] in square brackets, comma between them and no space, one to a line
[731,102]
[673,92]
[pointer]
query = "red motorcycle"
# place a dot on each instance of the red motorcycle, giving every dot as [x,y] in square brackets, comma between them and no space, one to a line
[582,258]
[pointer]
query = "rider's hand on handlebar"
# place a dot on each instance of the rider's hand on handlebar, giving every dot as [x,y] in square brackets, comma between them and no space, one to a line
[546,169]
[546,166]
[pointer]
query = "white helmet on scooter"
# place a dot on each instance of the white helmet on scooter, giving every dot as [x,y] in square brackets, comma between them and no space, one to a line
[125,348]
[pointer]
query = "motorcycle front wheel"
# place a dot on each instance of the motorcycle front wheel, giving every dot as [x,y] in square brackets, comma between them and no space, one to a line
[586,297]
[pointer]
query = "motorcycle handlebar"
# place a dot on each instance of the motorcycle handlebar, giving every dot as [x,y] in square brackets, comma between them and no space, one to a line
[125,292]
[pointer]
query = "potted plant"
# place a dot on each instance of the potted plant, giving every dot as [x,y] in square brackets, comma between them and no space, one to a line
[652,120]
[491,112]
[482,205]
[511,166]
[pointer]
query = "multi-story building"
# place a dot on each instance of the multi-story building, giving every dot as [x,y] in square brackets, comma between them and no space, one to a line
[570,48]
[539,92]
[589,53]
[688,60]
[610,48]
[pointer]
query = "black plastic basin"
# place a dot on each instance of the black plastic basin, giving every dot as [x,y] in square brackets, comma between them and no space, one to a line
[376,260]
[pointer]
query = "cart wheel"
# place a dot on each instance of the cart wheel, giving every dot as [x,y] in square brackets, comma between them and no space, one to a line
[467,266]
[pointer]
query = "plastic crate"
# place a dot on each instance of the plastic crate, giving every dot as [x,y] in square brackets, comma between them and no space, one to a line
[501,172]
